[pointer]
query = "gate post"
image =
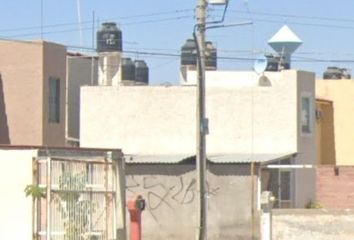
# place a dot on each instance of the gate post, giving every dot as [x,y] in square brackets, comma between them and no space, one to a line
[267,200]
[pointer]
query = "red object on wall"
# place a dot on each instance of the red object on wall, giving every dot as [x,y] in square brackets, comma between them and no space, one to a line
[135,206]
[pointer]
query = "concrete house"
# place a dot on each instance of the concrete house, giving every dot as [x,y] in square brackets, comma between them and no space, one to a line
[335,139]
[32,93]
[253,121]
[81,71]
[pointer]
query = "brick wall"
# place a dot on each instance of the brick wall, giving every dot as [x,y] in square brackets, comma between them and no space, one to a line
[335,186]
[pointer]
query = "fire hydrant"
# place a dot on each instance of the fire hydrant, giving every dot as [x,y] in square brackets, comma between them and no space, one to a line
[135,206]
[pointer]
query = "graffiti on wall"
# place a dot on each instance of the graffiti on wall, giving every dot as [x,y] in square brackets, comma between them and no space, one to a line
[160,192]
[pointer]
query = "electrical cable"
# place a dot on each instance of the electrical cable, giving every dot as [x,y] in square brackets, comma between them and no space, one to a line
[90,21]
[90,28]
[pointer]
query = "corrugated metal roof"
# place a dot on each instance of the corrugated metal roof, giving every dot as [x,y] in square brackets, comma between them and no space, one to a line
[248,158]
[222,158]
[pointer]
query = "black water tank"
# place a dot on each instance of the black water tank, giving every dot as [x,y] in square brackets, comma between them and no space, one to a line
[109,38]
[128,69]
[141,72]
[275,63]
[189,53]
[211,58]
[272,63]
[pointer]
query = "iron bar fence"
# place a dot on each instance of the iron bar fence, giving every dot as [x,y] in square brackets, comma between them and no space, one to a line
[80,201]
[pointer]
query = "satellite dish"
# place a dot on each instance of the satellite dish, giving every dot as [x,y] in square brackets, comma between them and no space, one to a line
[260,64]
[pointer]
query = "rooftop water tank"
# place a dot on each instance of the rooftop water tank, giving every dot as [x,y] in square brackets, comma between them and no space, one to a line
[211,58]
[109,38]
[128,69]
[189,53]
[141,72]
[285,42]
[276,63]
[336,73]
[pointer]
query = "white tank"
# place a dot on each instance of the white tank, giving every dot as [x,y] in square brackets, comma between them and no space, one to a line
[285,42]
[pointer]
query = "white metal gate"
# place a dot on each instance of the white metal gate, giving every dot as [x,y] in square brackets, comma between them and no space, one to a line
[80,201]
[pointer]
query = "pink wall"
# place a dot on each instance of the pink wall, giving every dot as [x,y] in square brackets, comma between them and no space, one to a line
[335,186]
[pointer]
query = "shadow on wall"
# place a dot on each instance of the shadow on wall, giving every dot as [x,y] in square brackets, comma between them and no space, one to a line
[4,128]
[326,144]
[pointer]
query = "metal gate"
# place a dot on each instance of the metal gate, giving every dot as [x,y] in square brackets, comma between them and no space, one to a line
[80,200]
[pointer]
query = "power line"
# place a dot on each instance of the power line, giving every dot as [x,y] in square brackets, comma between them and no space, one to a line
[230,58]
[90,28]
[296,16]
[90,21]
[177,55]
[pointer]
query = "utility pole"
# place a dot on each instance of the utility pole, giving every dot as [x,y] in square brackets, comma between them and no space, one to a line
[202,121]
[201,127]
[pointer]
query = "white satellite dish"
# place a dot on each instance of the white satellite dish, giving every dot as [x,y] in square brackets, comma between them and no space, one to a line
[260,64]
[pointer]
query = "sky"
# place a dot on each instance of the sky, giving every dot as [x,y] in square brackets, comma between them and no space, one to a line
[155,30]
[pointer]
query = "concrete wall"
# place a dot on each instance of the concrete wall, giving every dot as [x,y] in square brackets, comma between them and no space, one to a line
[79,74]
[313,224]
[341,93]
[21,67]
[25,68]
[161,120]
[54,65]
[16,209]
[171,200]
[335,186]
[305,178]
[243,118]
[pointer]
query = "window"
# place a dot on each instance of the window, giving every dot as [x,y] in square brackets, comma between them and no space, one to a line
[306,116]
[279,182]
[54,100]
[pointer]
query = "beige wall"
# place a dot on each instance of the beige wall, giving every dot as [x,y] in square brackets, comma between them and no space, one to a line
[16,209]
[79,74]
[25,68]
[161,120]
[21,68]
[305,178]
[244,118]
[54,65]
[341,93]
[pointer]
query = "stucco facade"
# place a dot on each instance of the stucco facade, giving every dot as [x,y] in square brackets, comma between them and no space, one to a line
[25,69]
[247,119]
[244,118]
[16,209]
[171,200]
[341,94]
[81,71]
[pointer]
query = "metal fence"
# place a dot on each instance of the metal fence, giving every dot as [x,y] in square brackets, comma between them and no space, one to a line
[80,200]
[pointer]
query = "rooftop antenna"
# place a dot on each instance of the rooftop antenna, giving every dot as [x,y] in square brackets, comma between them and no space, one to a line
[79,20]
